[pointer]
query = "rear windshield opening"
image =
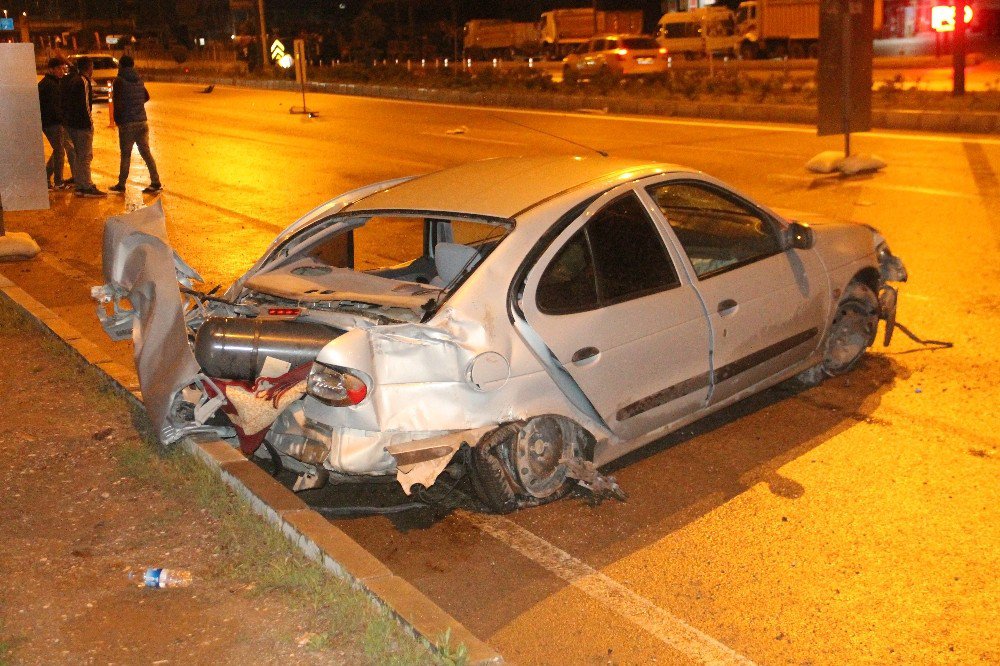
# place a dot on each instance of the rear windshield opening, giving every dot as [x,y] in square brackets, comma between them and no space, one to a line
[412,248]
[640,43]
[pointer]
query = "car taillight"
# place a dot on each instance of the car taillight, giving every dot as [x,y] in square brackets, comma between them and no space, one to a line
[284,312]
[336,386]
[663,52]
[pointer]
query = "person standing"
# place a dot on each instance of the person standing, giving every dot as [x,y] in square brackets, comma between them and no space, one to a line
[68,73]
[130,96]
[50,102]
[80,126]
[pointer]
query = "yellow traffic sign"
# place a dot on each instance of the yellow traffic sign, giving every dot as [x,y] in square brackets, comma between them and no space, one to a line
[277,50]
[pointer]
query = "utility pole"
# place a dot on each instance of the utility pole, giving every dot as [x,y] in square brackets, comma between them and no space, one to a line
[958,53]
[263,34]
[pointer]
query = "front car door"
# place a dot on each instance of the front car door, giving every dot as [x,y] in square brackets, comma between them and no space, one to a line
[608,301]
[767,306]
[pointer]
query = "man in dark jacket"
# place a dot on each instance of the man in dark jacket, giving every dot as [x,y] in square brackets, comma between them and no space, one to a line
[50,101]
[130,96]
[80,127]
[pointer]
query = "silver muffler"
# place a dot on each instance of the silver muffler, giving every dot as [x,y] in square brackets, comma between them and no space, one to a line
[236,348]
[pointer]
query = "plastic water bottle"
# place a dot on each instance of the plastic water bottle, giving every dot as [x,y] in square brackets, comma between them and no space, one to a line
[167,578]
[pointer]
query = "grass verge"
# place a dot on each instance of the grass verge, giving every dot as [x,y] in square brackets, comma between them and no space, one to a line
[253,555]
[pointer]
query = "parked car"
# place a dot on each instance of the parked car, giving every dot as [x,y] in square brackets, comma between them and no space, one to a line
[619,55]
[525,320]
[105,71]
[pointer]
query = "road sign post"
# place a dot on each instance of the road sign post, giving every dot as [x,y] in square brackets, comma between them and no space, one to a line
[958,54]
[300,76]
[844,81]
[845,68]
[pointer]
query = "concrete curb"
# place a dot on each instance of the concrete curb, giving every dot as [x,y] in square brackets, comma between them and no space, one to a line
[310,532]
[936,121]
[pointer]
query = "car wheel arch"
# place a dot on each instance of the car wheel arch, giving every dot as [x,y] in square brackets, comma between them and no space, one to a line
[492,464]
[869,277]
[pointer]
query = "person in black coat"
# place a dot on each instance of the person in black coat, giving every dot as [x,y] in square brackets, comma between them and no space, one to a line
[130,96]
[80,126]
[50,102]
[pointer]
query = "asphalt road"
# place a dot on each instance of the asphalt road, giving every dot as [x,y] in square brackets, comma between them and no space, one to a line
[852,523]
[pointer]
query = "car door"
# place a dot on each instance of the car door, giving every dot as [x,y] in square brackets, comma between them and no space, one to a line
[588,61]
[607,300]
[767,306]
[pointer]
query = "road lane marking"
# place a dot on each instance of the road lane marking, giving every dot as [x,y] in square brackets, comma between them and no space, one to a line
[61,266]
[914,189]
[466,137]
[776,127]
[608,592]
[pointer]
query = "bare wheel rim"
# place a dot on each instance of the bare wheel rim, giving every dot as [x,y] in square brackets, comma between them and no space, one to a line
[852,332]
[538,454]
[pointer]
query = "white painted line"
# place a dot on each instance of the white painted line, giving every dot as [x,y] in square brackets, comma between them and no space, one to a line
[877,185]
[724,124]
[466,137]
[61,266]
[763,127]
[608,592]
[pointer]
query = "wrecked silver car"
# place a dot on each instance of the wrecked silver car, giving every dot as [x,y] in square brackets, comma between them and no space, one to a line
[522,320]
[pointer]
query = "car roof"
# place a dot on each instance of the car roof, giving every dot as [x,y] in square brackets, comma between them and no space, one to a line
[506,186]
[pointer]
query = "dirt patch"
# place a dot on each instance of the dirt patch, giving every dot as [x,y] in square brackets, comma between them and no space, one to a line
[87,501]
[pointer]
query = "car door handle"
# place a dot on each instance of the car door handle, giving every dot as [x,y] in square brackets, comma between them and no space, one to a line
[585,354]
[727,306]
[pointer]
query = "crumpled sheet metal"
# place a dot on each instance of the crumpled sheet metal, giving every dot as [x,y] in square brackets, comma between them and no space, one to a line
[422,461]
[421,379]
[140,265]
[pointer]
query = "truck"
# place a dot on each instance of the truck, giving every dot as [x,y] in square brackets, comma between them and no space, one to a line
[783,28]
[698,32]
[499,38]
[563,30]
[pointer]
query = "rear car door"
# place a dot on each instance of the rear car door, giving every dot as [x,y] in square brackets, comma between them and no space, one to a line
[608,301]
[767,306]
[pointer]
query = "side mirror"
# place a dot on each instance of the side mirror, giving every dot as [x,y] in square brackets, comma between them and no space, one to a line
[800,236]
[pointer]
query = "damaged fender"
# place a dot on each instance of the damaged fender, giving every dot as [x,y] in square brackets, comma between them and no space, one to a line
[141,269]
[421,461]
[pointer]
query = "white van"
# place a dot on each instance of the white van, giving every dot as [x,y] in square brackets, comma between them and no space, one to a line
[698,32]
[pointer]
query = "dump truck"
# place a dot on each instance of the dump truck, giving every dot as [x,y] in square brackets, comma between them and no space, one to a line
[563,30]
[499,38]
[783,28]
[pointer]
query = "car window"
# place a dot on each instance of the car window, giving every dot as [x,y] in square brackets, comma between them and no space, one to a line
[386,242]
[717,232]
[104,63]
[617,256]
[640,43]
[568,284]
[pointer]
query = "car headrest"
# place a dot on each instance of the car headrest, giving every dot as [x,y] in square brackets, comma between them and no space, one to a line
[451,258]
